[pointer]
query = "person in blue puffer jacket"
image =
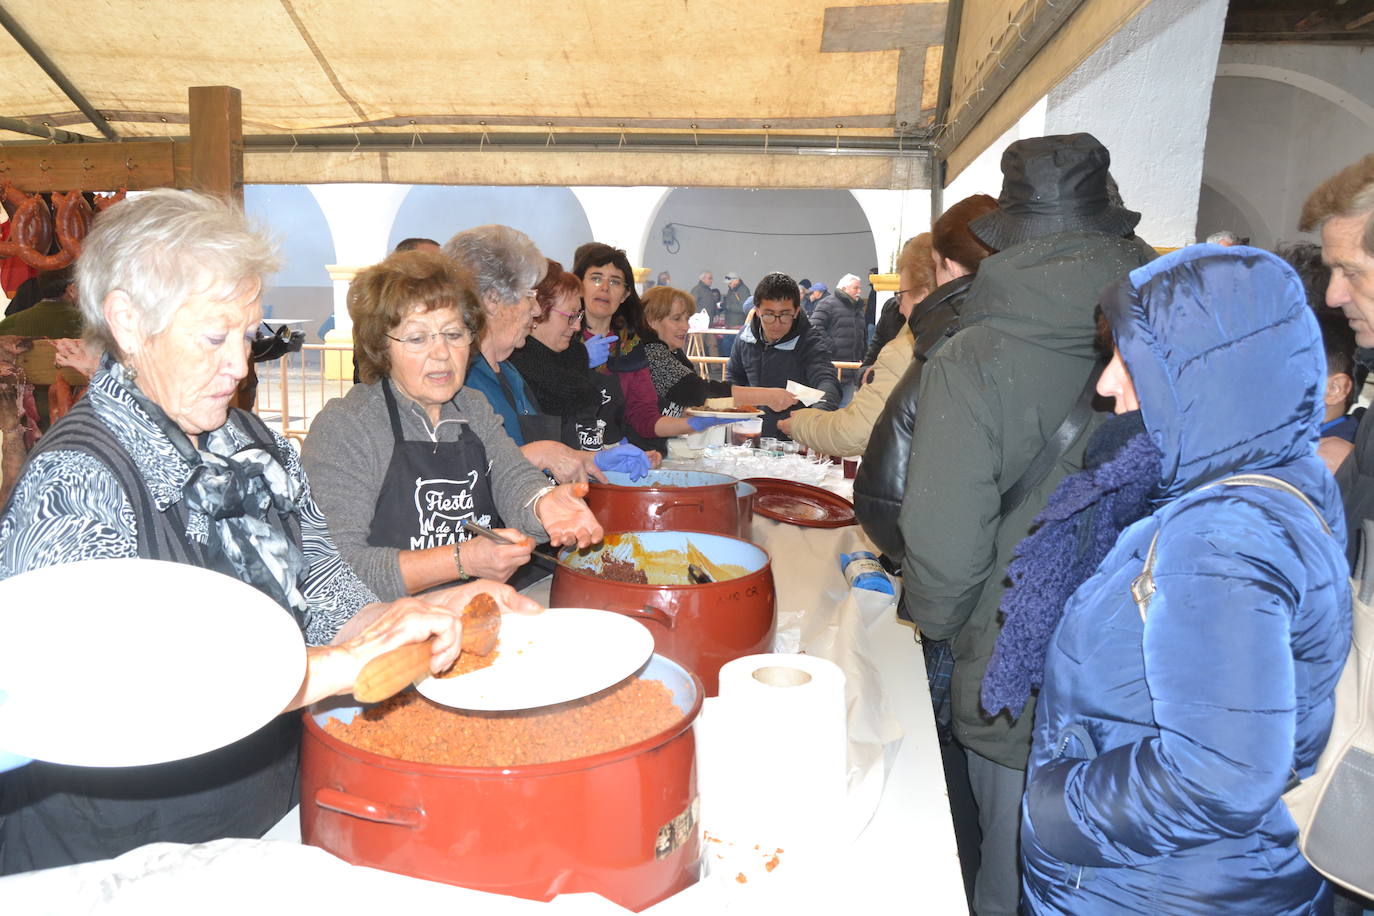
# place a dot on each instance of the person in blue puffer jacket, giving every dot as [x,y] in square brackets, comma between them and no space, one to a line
[1164,739]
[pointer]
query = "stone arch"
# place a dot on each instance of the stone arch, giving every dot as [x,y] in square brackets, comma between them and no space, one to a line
[1346,101]
[551,216]
[813,253]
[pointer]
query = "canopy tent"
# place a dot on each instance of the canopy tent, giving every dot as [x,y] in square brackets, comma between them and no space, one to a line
[774,93]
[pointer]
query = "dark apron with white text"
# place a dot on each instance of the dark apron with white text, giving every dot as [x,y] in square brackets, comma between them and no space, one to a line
[430,489]
[598,427]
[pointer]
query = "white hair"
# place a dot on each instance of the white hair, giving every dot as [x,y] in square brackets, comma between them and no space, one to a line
[846,280]
[1224,237]
[504,261]
[161,248]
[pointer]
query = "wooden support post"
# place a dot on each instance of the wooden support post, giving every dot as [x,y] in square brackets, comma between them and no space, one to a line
[217,168]
[217,141]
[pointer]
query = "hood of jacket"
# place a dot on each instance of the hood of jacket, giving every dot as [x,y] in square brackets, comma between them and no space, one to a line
[1043,291]
[752,332]
[1226,358]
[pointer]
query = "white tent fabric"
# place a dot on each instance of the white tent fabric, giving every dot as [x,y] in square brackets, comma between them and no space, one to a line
[426,71]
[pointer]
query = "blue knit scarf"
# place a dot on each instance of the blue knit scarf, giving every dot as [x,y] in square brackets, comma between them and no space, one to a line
[1081,522]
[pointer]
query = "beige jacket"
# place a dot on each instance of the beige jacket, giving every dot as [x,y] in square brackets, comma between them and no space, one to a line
[845,432]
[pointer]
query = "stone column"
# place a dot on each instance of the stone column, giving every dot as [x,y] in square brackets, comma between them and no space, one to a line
[360,217]
[894,217]
[1147,94]
[622,217]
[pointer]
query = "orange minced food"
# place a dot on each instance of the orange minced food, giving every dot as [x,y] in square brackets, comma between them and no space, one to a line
[410,727]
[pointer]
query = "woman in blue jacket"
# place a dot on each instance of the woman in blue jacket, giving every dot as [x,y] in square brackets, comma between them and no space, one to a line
[1165,737]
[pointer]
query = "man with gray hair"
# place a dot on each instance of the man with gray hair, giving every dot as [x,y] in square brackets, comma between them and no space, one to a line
[1342,210]
[1225,238]
[840,317]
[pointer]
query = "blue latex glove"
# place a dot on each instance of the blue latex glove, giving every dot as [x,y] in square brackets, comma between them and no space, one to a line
[700,423]
[624,457]
[10,761]
[599,349]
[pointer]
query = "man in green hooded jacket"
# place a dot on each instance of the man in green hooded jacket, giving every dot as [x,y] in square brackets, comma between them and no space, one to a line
[990,399]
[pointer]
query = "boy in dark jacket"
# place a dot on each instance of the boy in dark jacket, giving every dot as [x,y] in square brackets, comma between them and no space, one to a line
[777,344]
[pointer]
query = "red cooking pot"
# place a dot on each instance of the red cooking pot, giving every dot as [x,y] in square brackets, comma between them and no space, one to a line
[622,824]
[668,500]
[701,626]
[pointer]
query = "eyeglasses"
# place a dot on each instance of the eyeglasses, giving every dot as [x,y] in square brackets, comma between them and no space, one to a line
[419,343]
[573,317]
[615,283]
[777,317]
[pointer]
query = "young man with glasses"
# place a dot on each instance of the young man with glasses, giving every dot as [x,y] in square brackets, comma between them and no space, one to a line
[778,344]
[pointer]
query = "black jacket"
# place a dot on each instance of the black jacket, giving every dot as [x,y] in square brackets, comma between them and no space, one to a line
[882,475]
[889,323]
[802,355]
[842,321]
[732,305]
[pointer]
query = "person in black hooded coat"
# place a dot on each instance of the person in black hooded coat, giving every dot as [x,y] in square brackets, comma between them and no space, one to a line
[882,474]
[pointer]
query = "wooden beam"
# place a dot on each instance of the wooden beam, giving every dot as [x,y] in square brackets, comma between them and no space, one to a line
[136,165]
[217,141]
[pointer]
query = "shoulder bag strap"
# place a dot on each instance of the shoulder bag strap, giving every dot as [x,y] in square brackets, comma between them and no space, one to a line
[1055,447]
[1143,586]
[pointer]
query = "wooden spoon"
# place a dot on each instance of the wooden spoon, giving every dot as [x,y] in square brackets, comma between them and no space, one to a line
[391,672]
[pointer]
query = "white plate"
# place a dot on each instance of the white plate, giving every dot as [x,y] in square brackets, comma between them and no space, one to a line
[132,662]
[559,655]
[724,414]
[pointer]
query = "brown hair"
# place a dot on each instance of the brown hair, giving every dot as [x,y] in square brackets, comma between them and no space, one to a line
[951,238]
[659,302]
[381,297]
[1349,192]
[556,284]
[915,261]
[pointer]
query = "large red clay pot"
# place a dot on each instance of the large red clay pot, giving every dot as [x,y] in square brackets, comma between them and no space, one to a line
[701,626]
[667,500]
[622,824]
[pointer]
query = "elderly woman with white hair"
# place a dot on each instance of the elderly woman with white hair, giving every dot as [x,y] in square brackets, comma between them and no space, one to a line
[154,463]
[506,266]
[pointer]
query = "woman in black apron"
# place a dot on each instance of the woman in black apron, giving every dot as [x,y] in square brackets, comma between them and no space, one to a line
[406,460]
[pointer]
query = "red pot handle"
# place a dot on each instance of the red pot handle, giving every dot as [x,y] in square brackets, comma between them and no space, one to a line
[647,612]
[696,504]
[354,806]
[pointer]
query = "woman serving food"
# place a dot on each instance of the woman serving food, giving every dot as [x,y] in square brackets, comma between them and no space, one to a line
[406,459]
[676,384]
[153,463]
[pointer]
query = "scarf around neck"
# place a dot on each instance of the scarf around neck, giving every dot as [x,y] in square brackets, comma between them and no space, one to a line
[1077,528]
[235,488]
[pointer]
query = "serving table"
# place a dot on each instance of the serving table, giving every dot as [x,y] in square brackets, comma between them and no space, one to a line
[904,860]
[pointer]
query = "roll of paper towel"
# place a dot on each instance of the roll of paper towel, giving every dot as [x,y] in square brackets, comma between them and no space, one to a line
[772,750]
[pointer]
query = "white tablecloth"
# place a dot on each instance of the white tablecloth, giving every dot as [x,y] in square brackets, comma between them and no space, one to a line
[903,861]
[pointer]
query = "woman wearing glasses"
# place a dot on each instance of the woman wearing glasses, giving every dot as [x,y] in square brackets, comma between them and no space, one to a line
[402,462]
[778,345]
[553,362]
[674,384]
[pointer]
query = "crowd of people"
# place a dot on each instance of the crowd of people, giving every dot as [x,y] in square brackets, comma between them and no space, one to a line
[1050,413]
